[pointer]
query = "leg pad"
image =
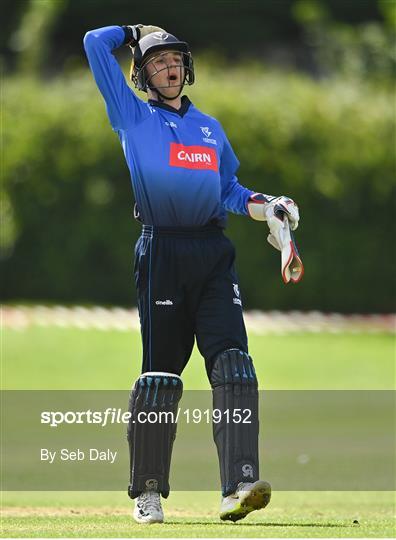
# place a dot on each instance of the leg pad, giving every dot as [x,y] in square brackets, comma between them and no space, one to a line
[235,394]
[151,431]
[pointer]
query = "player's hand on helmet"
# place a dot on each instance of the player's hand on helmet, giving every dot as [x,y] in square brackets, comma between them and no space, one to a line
[134,33]
[265,207]
[145,30]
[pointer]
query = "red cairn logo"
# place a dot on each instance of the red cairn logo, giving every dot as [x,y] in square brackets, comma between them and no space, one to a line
[193,157]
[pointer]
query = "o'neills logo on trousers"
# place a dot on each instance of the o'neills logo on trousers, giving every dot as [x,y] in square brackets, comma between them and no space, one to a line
[193,157]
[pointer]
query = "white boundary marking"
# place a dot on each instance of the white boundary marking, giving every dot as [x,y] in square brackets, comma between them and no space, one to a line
[257,322]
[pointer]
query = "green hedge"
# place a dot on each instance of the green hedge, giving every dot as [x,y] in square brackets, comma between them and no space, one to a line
[67,226]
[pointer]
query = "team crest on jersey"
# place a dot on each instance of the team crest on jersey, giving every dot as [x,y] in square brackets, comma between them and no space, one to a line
[193,157]
[206,132]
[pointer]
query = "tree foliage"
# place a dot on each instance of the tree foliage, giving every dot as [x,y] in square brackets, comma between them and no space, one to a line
[67,226]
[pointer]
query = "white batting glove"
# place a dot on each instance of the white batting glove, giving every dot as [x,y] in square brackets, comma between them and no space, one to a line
[281,238]
[282,216]
[263,207]
[134,33]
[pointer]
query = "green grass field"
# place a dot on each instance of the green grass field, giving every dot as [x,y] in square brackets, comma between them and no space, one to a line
[39,358]
[56,358]
[290,514]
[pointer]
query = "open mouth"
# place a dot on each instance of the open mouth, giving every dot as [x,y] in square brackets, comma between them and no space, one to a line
[172,78]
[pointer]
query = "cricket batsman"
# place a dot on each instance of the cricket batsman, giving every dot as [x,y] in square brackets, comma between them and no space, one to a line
[183,172]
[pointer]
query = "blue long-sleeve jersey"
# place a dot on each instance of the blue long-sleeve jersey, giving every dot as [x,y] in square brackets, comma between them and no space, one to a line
[182,165]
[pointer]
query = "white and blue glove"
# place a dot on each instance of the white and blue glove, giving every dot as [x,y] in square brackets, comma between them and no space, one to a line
[282,217]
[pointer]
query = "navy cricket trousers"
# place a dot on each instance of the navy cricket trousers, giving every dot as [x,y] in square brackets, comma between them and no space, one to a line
[187,288]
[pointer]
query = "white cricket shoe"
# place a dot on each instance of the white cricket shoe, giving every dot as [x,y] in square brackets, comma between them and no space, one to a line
[148,508]
[246,498]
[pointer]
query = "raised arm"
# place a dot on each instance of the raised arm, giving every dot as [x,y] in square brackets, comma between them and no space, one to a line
[124,108]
